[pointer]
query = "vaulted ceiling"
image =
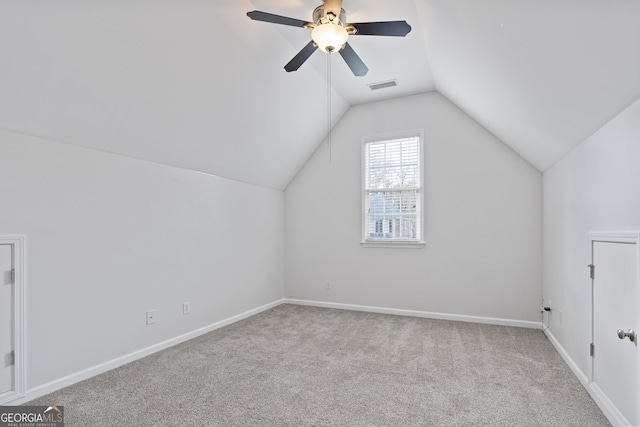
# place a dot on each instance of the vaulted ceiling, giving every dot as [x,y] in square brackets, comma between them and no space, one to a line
[197,84]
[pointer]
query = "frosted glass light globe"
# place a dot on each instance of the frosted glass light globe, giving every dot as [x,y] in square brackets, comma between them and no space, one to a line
[329,37]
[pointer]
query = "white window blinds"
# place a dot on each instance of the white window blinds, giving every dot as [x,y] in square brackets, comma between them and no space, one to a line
[392,190]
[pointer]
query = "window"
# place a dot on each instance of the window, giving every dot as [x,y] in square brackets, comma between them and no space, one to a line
[392,190]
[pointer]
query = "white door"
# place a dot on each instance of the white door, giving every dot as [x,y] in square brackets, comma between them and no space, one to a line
[615,299]
[6,319]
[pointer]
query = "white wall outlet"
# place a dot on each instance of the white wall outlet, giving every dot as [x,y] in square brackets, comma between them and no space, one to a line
[560,317]
[328,284]
[151,317]
[186,307]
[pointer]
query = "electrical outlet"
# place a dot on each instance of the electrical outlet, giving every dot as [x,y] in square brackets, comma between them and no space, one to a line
[186,307]
[151,317]
[560,317]
[328,284]
[543,304]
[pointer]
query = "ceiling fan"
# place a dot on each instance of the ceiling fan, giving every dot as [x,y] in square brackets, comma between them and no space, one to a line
[330,33]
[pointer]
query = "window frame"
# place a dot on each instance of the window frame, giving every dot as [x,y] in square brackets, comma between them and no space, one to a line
[368,242]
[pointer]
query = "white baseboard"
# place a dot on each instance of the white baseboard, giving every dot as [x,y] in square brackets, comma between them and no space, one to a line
[608,409]
[416,313]
[582,377]
[55,385]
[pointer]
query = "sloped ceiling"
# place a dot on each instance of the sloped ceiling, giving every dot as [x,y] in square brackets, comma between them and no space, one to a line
[196,84]
[541,75]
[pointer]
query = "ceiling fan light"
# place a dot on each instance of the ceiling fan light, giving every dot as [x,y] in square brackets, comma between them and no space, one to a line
[329,37]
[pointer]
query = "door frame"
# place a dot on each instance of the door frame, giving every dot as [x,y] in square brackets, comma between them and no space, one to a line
[629,237]
[19,304]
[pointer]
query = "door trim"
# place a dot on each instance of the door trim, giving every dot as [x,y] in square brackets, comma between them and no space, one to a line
[630,237]
[19,248]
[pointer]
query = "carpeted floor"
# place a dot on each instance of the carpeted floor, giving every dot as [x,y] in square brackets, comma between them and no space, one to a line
[306,366]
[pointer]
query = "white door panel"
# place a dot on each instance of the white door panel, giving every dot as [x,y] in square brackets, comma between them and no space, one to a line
[615,306]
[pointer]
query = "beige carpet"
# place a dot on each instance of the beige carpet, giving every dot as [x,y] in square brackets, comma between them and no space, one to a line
[306,366]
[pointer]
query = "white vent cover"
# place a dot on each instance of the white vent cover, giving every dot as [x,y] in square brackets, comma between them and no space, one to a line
[382,85]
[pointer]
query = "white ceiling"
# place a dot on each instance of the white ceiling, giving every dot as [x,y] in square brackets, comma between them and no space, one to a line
[197,84]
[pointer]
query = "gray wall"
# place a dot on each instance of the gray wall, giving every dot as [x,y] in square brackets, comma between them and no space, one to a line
[110,237]
[482,221]
[594,188]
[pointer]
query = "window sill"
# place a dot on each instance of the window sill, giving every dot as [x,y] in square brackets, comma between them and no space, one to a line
[403,244]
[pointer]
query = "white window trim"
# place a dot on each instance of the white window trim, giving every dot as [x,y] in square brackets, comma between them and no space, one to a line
[395,243]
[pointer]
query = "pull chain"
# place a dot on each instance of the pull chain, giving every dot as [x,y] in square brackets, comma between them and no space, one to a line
[329,105]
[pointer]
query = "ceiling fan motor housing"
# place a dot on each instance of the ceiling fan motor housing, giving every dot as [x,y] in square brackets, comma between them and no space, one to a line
[318,15]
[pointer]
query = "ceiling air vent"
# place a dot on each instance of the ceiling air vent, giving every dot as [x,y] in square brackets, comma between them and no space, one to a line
[382,85]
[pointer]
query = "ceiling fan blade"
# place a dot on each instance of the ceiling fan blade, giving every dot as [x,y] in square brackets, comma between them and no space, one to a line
[333,6]
[387,28]
[353,61]
[256,15]
[301,57]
